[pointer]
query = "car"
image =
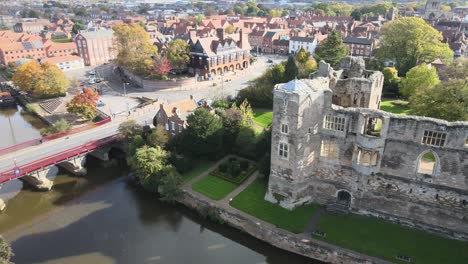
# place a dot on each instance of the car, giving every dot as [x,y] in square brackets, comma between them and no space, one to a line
[82,84]
[204,101]
[98,80]
[269,61]
[92,81]
[100,103]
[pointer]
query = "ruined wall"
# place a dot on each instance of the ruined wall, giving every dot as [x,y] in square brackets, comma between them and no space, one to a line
[379,168]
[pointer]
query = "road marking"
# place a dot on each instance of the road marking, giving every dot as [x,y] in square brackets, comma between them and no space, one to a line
[217,246]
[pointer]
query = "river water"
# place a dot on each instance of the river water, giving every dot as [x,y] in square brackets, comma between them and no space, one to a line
[101,218]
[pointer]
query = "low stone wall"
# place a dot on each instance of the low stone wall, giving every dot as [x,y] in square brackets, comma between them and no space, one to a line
[157,84]
[277,237]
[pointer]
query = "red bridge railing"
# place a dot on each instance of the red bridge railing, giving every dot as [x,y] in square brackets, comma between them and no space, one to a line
[37,141]
[54,159]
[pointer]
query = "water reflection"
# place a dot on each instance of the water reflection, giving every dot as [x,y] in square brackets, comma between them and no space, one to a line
[18,126]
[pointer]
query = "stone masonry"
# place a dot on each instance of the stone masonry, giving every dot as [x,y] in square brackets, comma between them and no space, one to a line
[374,162]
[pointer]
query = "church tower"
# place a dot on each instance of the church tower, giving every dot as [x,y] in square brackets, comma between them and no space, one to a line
[432,10]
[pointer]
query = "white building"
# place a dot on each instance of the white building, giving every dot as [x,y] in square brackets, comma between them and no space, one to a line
[296,43]
[66,63]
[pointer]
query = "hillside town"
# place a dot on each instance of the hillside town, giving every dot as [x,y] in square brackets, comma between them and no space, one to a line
[336,131]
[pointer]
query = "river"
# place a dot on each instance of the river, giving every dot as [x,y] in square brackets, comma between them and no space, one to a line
[101,218]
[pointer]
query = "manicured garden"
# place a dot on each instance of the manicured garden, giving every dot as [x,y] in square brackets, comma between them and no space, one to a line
[224,179]
[382,239]
[395,106]
[251,201]
[263,117]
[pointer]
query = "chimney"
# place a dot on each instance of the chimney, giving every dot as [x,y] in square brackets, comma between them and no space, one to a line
[220,33]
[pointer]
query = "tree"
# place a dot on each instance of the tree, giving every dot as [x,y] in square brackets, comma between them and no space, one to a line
[129,129]
[210,11]
[41,80]
[134,48]
[60,125]
[391,80]
[169,185]
[6,252]
[84,104]
[246,142]
[230,29]
[33,14]
[307,68]
[77,26]
[277,73]
[158,137]
[410,41]
[302,56]
[161,67]
[448,101]
[332,49]
[419,78]
[455,70]
[291,70]
[178,53]
[232,123]
[203,136]
[148,164]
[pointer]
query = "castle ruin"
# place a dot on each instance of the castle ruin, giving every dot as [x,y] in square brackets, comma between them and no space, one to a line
[332,146]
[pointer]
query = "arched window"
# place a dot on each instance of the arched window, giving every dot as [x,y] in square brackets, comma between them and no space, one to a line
[427,163]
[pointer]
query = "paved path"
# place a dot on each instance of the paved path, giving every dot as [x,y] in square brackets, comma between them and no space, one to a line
[313,221]
[239,189]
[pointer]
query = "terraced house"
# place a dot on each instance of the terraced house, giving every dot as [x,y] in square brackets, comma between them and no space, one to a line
[212,56]
[353,157]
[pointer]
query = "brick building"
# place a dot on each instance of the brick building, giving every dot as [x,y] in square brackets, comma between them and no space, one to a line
[173,117]
[359,46]
[60,49]
[15,51]
[216,55]
[95,47]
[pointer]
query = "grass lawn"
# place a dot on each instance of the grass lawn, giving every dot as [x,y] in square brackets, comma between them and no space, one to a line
[199,168]
[379,238]
[214,187]
[61,40]
[395,106]
[263,117]
[251,201]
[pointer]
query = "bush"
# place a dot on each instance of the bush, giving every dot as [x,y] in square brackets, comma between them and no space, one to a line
[220,103]
[5,251]
[223,167]
[59,126]
[244,164]
[234,168]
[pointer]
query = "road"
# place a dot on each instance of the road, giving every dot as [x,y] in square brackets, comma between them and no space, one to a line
[113,89]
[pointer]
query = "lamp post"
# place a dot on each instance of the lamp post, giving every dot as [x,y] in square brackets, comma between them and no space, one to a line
[125,89]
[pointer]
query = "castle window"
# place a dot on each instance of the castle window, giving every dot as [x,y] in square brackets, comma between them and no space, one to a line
[373,126]
[284,129]
[427,163]
[434,138]
[334,123]
[283,150]
[329,150]
[366,157]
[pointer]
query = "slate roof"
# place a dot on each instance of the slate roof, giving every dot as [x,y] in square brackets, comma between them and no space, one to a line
[353,40]
[302,39]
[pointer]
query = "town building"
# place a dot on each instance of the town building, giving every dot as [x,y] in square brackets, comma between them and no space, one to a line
[296,43]
[60,49]
[359,46]
[212,56]
[15,51]
[406,169]
[96,47]
[31,25]
[173,117]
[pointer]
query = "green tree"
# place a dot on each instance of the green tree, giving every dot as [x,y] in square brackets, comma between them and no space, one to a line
[41,80]
[60,125]
[84,104]
[417,79]
[448,101]
[291,71]
[229,29]
[158,137]
[131,146]
[148,163]
[410,41]
[246,113]
[6,252]
[169,184]
[134,48]
[277,73]
[232,123]
[129,129]
[391,80]
[178,53]
[246,142]
[203,136]
[458,69]
[332,49]
[302,56]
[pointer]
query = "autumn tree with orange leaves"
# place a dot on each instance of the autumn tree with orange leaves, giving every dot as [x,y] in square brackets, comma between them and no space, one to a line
[84,104]
[161,67]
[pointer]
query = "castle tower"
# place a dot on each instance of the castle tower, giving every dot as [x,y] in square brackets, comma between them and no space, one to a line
[298,108]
